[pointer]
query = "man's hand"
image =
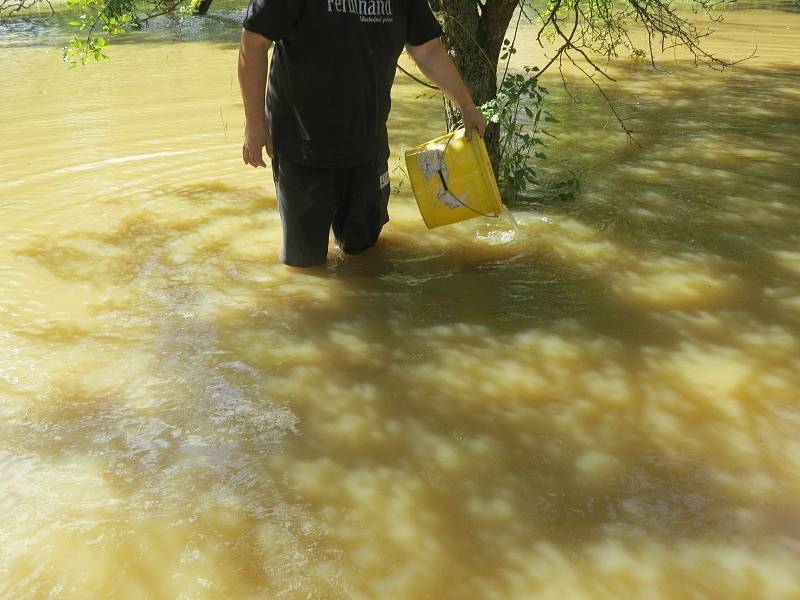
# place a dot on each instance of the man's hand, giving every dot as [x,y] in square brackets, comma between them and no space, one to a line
[256,137]
[473,119]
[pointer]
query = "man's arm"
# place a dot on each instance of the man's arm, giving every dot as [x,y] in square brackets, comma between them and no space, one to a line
[253,84]
[435,62]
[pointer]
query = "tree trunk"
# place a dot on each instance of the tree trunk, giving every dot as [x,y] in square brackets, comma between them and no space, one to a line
[474,38]
[202,7]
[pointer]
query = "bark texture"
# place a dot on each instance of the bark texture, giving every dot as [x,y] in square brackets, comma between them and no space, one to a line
[203,6]
[474,34]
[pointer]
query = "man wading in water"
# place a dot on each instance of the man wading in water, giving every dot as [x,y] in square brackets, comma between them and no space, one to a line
[325,122]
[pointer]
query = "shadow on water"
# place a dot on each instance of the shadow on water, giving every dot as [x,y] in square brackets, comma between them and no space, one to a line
[712,176]
[582,410]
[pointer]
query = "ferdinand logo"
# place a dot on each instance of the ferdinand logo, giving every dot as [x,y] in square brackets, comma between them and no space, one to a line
[370,11]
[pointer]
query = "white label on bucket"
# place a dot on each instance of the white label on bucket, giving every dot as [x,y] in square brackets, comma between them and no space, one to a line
[451,200]
[431,160]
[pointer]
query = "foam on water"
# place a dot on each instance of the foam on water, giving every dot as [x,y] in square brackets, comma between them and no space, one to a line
[501,231]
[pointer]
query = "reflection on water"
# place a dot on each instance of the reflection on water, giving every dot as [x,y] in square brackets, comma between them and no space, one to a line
[603,404]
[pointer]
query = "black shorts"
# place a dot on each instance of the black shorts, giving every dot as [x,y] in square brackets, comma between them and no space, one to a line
[311,200]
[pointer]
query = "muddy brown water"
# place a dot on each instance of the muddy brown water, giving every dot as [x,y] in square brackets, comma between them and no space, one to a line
[605,407]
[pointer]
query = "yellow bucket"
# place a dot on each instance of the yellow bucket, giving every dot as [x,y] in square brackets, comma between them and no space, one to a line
[452,180]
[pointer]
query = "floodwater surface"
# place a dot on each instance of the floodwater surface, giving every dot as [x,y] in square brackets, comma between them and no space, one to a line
[606,406]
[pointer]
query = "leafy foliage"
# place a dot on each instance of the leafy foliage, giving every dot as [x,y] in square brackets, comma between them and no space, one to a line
[518,112]
[582,35]
[97,20]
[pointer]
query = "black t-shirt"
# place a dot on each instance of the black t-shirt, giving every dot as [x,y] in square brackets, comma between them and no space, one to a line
[332,71]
